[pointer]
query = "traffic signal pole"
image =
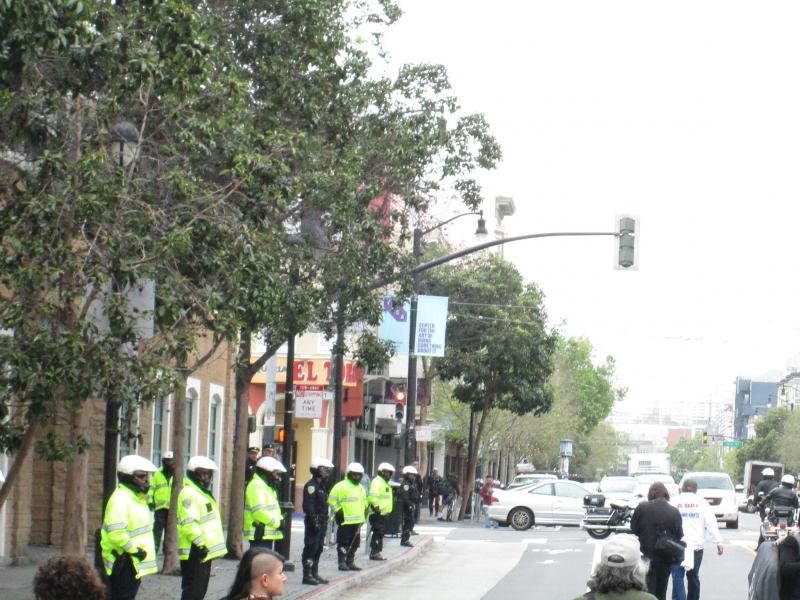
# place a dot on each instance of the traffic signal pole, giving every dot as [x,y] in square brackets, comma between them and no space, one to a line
[411,387]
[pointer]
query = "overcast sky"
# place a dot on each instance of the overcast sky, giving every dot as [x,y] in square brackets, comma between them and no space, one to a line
[685,113]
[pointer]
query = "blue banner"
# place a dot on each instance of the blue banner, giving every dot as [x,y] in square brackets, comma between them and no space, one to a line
[431,325]
[396,325]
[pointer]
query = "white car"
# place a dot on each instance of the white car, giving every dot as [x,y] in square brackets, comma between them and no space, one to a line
[530,478]
[718,489]
[557,502]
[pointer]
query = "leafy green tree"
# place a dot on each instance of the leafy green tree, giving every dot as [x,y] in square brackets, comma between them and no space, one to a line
[767,443]
[686,453]
[492,314]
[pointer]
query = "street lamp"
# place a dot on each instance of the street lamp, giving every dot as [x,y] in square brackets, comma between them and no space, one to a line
[411,403]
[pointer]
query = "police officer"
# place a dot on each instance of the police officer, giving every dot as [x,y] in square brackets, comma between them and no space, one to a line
[200,537]
[381,503]
[406,499]
[126,539]
[159,494]
[349,502]
[315,508]
[250,468]
[782,496]
[765,486]
[262,513]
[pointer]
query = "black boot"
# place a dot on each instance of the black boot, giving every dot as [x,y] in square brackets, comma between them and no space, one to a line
[351,565]
[308,576]
[343,560]
[404,539]
[315,572]
[376,556]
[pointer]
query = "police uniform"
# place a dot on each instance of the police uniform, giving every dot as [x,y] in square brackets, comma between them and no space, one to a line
[406,499]
[381,503]
[127,543]
[315,508]
[158,496]
[262,513]
[349,503]
[200,538]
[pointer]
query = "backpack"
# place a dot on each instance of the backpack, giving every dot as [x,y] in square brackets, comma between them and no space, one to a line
[443,487]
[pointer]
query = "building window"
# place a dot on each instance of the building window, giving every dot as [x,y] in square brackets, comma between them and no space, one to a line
[128,430]
[158,431]
[191,408]
[213,428]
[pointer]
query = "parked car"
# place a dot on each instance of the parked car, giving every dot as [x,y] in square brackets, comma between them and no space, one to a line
[617,488]
[530,478]
[718,489]
[558,502]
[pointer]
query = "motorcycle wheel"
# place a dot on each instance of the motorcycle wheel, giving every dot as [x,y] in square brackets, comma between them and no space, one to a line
[599,534]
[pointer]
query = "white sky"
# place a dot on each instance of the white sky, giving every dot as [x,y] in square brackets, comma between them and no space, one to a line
[685,113]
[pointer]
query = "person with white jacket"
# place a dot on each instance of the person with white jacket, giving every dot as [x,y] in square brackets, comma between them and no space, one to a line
[698,520]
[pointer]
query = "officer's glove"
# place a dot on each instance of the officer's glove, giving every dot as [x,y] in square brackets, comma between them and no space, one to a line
[339,517]
[376,511]
[152,507]
[202,552]
[140,553]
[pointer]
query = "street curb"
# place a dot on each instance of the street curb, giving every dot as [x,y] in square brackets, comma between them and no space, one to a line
[343,584]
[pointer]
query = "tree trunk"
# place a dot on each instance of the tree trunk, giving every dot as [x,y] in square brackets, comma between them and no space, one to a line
[74,536]
[171,562]
[19,461]
[240,436]
[472,463]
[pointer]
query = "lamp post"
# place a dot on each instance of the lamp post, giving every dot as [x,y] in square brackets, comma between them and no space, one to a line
[411,399]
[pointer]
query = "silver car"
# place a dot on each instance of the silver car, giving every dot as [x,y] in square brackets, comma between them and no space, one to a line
[548,503]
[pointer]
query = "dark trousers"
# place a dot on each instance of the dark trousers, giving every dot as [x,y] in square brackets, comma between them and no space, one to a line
[408,523]
[658,577]
[378,525]
[122,583]
[194,576]
[159,525]
[313,540]
[347,540]
[263,544]
[433,502]
[693,578]
[417,506]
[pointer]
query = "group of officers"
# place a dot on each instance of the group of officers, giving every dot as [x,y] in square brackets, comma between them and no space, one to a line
[136,516]
[774,495]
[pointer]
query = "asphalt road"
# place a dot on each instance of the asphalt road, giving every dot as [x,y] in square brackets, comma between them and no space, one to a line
[469,562]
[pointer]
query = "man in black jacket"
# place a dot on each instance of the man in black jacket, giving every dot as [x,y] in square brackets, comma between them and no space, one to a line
[765,486]
[782,496]
[651,520]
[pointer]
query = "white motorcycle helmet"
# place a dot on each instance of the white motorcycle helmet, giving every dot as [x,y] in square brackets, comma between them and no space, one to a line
[410,470]
[270,464]
[201,462]
[128,465]
[788,480]
[355,467]
[768,472]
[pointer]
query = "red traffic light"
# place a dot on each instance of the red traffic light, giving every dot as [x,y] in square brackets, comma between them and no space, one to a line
[400,396]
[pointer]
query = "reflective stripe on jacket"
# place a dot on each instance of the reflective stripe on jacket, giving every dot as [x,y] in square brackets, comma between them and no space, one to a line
[380,495]
[261,506]
[160,490]
[199,522]
[128,526]
[351,499]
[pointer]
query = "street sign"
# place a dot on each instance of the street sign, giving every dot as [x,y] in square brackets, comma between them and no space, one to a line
[424,433]
[733,444]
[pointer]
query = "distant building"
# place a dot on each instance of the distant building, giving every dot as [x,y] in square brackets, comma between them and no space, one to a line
[753,399]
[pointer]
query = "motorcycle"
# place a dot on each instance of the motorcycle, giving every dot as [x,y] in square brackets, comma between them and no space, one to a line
[601,521]
[778,523]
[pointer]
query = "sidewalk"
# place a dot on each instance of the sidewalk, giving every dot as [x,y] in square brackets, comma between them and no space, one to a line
[16,582]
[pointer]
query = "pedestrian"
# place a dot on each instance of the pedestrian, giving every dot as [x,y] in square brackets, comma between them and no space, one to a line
[126,539]
[652,521]
[67,578]
[262,513]
[315,508]
[381,504]
[406,500]
[250,467]
[620,574]
[200,537]
[349,503]
[433,482]
[697,521]
[160,494]
[418,487]
[260,576]
[486,490]
[449,491]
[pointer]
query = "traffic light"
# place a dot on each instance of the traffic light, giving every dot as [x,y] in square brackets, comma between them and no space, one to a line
[705,437]
[280,435]
[399,399]
[627,249]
